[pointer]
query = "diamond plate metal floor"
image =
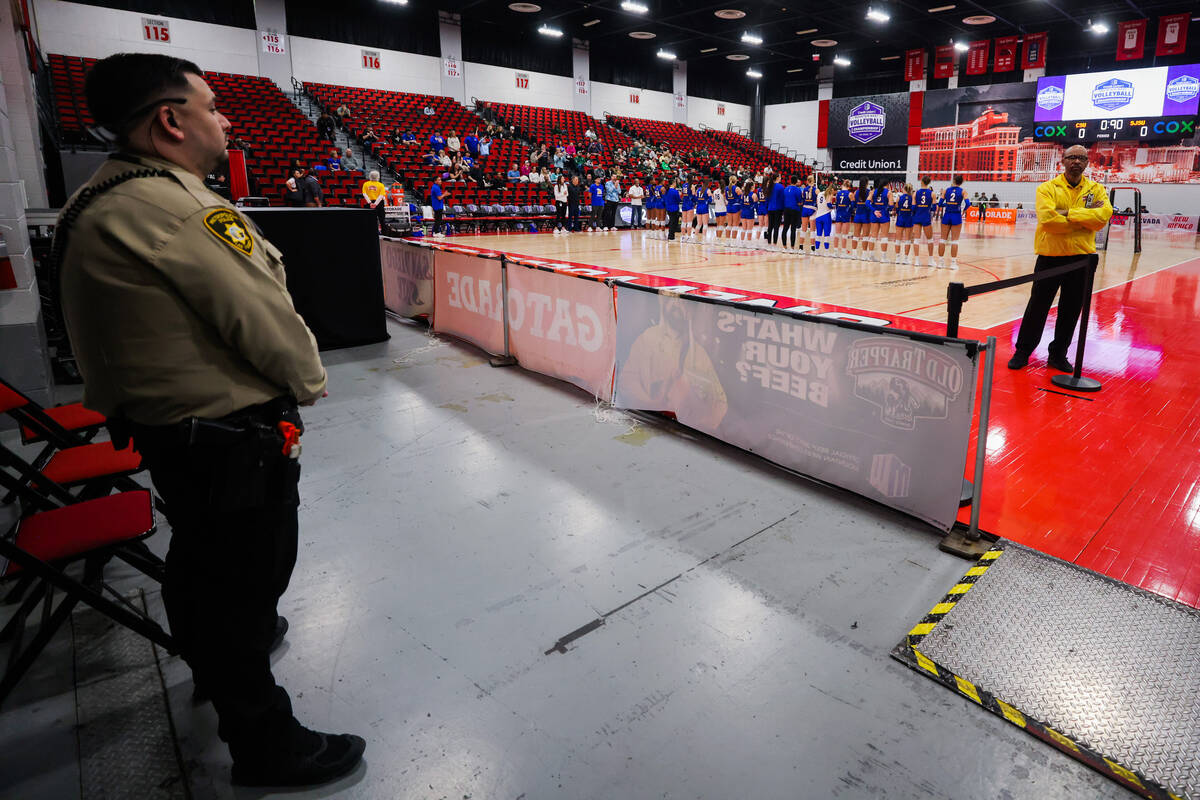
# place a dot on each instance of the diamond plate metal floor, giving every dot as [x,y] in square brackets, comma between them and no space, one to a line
[1106,667]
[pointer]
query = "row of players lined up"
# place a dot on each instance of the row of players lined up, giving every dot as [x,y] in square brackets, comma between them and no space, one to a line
[847,222]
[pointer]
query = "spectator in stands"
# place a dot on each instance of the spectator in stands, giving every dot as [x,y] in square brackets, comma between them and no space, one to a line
[1127,212]
[375,195]
[437,141]
[334,161]
[293,190]
[453,144]
[409,139]
[514,174]
[995,199]
[348,160]
[397,135]
[538,176]
[444,159]
[238,143]
[370,137]
[471,142]
[489,181]
[428,110]
[311,187]
[437,203]
[595,148]
[589,133]
[485,146]
[561,195]
[612,196]
[343,114]
[325,125]
[569,150]
[574,198]
[526,168]
[560,158]
[430,158]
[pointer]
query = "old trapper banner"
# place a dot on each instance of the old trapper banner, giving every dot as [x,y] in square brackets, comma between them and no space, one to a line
[876,412]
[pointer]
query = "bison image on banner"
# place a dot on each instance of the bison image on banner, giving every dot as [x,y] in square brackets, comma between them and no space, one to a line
[563,326]
[881,414]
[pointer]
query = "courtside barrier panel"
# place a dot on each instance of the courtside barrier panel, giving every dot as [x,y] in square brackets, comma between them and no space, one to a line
[882,412]
[407,278]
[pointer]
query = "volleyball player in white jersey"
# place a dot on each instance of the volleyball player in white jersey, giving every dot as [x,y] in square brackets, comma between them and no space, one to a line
[717,209]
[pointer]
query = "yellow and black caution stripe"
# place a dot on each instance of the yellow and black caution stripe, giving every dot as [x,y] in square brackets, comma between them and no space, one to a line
[909,653]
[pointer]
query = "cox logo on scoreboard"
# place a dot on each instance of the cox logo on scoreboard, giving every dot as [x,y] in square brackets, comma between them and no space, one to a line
[1050,98]
[1112,94]
[1183,88]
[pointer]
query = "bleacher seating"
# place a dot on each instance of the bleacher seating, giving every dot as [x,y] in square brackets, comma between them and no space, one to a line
[386,111]
[258,111]
[556,127]
[783,164]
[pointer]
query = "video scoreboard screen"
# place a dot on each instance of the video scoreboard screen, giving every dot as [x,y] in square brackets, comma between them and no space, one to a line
[1140,104]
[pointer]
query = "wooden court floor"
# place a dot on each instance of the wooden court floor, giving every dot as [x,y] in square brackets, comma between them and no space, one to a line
[1110,480]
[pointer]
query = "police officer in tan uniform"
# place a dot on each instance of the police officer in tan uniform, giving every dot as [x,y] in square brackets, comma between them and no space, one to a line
[188,341]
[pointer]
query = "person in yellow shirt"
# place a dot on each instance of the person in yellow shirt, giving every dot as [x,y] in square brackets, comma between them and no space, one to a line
[1070,209]
[375,193]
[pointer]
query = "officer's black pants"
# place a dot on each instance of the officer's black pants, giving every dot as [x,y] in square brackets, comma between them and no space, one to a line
[233,520]
[791,221]
[774,218]
[672,224]
[1041,297]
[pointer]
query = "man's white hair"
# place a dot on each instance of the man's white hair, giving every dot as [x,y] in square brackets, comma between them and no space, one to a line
[373,175]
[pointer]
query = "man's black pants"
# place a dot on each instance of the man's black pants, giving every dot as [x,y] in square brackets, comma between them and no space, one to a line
[232,508]
[672,224]
[774,219]
[791,221]
[572,216]
[1041,297]
[610,213]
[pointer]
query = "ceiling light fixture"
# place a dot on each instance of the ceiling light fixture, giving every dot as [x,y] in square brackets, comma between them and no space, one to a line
[876,15]
[641,35]
[591,22]
[979,19]
[709,50]
[754,73]
[546,30]
[636,8]
[942,8]
[738,57]
[525,8]
[729,13]
[797,69]
[750,38]
[841,62]
[666,54]
[397,2]
[823,42]
[1097,27]
[961,47]
[889,58]
[806,32]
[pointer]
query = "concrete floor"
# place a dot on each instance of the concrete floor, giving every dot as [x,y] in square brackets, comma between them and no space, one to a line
[457,521]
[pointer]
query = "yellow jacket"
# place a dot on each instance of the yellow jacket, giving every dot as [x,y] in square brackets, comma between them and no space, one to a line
[1069,216]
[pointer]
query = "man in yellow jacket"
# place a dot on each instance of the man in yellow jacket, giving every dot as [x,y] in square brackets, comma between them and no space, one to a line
[1070,209]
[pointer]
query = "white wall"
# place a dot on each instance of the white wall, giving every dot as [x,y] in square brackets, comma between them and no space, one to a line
[78,30]
[499,85]
[320,61]
[794,125]
[613,99]
[703,110]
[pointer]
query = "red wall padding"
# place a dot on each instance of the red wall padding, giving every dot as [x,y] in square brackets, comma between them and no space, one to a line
[823,124]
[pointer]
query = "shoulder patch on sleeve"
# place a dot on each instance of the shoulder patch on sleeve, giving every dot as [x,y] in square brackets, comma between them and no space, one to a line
[230,229]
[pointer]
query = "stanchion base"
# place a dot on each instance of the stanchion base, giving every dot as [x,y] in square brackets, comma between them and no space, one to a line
[502,361]
[1080,384]
[968,493]
[956,542]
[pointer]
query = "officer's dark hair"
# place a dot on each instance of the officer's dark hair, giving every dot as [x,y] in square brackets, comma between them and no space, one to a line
[122,88]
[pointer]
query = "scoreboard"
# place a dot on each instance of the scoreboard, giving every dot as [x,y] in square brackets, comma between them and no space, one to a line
[1137,104]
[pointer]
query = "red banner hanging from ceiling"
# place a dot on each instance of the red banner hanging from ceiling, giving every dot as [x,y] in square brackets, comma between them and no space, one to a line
[1006,54]
[977,57]
[1033,54]
[914,64]
[1172,34]
[943,61]
[1131,39]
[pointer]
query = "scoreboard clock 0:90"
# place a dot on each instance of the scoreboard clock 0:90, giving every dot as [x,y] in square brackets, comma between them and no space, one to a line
[1116,128]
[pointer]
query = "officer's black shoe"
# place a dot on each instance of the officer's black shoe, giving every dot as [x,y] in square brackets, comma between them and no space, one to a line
[1018,360]
[199,696]
[332,756]
[1060,363]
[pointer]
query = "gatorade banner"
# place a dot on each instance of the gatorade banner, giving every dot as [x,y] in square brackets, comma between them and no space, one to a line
[1000,216]
[880,413]
[563,326]
[407,278]
[468,299]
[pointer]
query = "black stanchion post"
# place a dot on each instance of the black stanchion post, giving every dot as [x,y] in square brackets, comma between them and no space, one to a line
[505,360]
[956,295]
[1076,381]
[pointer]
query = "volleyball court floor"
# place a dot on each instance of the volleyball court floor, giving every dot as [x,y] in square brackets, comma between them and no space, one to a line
[1110,480]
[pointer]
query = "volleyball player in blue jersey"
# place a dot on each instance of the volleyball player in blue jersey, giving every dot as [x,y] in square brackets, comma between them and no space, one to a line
[701,200]
[904,224]
[862,221]
[761,207]
[809,199]
[843,213]
[881,222]
[687,205]
[923,221]
[954,203]
[748,211]
[733,209]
